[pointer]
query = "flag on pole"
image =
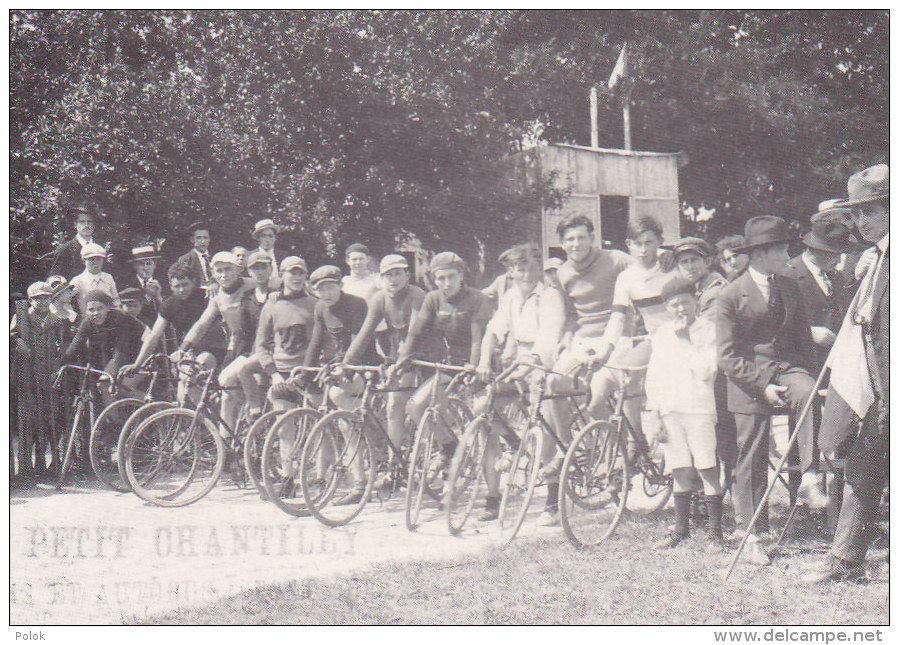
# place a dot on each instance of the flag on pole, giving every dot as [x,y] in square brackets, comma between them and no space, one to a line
[620,70]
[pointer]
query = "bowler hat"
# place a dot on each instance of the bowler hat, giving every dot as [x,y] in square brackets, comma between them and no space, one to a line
[870,185]
[763,231]
[828,235]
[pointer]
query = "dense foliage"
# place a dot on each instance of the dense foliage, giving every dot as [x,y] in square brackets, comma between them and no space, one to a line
[378,125]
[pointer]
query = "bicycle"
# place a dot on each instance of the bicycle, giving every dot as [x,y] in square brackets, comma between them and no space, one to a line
[339,468]
[452,417]
[466,471]
[85,403]
[282,448]
[597,471]
[110,429]
[521,479]
[176,456]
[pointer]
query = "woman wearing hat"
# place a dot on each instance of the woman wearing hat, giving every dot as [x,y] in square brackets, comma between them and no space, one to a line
[266,233]
[38,338]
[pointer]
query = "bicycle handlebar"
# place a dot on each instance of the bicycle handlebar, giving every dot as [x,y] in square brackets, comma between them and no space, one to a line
[440,366]
[80,368]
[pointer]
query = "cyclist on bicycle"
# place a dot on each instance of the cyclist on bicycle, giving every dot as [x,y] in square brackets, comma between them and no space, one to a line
[452,319]
[106,338]
[225,307]
[181,310]
[394,306]
[530,317]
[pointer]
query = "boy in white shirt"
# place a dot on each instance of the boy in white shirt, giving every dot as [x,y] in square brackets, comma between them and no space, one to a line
[93,277]
[680,385]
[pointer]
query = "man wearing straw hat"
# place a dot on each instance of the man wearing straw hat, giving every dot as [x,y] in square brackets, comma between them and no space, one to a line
[266,232]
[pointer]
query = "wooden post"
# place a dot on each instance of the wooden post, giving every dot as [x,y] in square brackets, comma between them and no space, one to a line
[626,113]
[594,118]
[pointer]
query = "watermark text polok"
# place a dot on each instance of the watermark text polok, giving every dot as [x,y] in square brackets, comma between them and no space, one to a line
[186,541]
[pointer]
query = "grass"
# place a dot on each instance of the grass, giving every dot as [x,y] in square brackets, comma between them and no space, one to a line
[548,582]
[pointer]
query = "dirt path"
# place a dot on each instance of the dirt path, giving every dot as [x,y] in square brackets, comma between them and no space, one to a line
[95,556]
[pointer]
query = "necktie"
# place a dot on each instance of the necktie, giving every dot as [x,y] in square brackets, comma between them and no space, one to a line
[775,301]
[827,278]
[204,263]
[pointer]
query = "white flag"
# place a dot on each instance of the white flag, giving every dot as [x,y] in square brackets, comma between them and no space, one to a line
[620,70]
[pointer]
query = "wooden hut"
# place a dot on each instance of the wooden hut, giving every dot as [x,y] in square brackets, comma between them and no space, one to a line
[608,186]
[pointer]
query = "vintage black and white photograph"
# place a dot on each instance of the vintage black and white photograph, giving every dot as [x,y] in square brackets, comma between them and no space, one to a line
[450,317]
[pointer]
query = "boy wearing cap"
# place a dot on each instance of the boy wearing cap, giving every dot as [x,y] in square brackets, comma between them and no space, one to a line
[93,278]
[266,233]
[361,281]
[132,300]
[395,306]
[694,257]
[225,307]
[452,320]
[680,385]
[67,260]
[38,338]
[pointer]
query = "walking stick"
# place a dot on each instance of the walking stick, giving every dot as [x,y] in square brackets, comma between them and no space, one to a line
[777,471]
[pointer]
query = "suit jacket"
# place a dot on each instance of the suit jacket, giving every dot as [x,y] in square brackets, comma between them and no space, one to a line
[753,347]
[67,260]
[822,310]
[879,331]
[196,269]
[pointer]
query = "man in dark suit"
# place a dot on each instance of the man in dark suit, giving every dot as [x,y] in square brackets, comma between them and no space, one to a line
[766,351]
[867,465]
[197,259]
[821,286]
[143,264]
[67,259]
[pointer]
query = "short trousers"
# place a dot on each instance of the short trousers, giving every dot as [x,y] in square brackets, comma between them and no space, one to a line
[690,441]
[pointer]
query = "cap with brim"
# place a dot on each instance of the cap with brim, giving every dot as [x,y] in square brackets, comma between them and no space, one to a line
[224,257]
[677,287]
[764,230]
[870,185]
[145,252]
[292,262]
[263,224]
[695,245]
[92,251]
[96,295]
[446,260]
[131,294]
[393,261]
[552,263]
[326,273]
[258,257]
[60,287]
[39,288]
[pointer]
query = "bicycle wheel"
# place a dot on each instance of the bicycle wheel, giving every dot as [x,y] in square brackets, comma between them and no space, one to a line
[281,454]
[103,447]
[336,468]
[519,483]
[253,445]
[466,475]
[594,484]
[69,453]
[418,480]
[174,458]
[137,417]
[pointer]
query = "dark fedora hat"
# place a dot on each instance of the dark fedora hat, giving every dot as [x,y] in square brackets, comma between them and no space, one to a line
[764,230]
[829,235]
[870,185]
